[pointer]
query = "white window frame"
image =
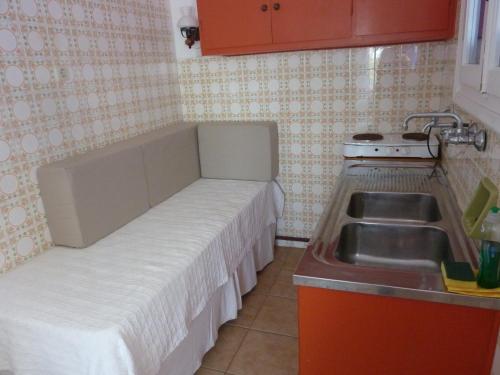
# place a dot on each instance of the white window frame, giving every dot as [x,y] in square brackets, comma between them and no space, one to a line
[491,79]
[477,86]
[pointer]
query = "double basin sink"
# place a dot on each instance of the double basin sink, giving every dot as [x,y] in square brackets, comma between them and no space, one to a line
[386,230]
[394,245]
[391,216]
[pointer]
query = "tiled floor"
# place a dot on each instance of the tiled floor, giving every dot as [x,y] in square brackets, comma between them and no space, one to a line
[263,339]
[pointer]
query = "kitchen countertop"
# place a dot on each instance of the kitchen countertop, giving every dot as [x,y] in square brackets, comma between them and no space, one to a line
[320,267]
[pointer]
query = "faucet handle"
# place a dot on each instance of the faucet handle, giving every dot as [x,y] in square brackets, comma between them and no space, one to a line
[478,136]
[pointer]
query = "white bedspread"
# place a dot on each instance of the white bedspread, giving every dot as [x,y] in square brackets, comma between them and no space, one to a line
[122,305]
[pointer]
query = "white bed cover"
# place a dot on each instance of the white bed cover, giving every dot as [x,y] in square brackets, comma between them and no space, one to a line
[122,305]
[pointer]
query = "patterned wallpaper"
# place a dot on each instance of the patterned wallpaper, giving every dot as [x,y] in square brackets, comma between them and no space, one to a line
[74,75]
[466,166]
[317,97]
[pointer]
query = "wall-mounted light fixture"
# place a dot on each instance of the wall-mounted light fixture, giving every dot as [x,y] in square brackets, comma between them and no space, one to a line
[189,26]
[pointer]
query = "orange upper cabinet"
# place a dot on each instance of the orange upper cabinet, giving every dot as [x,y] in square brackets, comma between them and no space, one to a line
[311,21]
[395,21]
[229,27]
[234,24]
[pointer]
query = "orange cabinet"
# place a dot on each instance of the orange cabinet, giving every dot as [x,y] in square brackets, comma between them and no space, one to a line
[352,333]
[312,20]
[396,20]
[235,24]
[229,27]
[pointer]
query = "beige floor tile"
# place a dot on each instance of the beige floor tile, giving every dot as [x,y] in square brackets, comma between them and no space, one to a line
[277,315]
[271,271]
[294,255]
[280,254]
[267,277]
[266,354]
[207,371]
[252,302]
[263,286]
[283,286]
[228,342]
[285,276]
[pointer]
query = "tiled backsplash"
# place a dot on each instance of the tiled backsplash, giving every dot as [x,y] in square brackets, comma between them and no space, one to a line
[74,75]
[466,166]
[317,97]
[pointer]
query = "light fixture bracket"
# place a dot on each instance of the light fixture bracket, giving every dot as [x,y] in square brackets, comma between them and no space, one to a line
[191,34]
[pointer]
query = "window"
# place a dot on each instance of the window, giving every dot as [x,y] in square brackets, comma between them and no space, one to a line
[491,79]
[477,81]
[473,40]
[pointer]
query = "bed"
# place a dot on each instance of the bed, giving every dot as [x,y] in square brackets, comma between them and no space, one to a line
[147,298]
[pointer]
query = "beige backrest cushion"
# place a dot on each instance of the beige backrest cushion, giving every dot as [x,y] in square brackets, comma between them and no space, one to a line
[171,160]
[88,196]
[239,150]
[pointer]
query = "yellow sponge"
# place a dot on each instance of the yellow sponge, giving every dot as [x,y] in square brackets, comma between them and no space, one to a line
[467,287]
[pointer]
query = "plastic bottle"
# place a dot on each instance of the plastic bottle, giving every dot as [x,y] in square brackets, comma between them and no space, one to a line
[489,256]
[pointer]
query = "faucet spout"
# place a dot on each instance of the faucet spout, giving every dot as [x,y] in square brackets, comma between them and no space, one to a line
[454,132]
[435,116]
[432,124]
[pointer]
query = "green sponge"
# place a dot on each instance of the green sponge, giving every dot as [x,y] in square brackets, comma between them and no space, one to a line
[459,271]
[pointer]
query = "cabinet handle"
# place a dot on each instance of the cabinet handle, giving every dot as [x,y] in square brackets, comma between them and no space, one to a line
[276,6]
[263,7]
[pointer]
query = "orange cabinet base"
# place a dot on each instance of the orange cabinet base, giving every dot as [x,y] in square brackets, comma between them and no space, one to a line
[351,334]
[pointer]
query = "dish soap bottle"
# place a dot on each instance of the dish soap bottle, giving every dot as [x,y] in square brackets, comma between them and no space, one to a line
[489,256]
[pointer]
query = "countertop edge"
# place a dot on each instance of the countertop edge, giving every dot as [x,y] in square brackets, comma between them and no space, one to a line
[398,292]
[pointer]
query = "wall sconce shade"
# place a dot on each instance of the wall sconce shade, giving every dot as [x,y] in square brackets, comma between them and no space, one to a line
[188,24]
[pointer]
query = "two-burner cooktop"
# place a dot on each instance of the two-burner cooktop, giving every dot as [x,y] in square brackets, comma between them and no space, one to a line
[409,145]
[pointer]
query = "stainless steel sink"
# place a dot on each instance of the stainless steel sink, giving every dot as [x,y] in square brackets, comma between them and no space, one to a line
[397,206]
[415,248]
[385,231]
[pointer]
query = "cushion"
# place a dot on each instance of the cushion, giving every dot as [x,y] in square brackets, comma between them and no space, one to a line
[88,196]
[171,160]
[239,150]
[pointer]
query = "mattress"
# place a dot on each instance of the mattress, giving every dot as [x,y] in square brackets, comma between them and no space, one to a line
[122,305]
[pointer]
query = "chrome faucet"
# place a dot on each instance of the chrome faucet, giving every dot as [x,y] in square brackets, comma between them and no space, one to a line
[455,132]
[435,118]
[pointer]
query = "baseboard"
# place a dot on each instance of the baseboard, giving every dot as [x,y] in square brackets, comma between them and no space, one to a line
[288,241]
[291,238]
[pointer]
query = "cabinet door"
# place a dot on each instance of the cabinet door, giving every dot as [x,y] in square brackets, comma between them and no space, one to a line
[389,17]
[230,23]
[311,20]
